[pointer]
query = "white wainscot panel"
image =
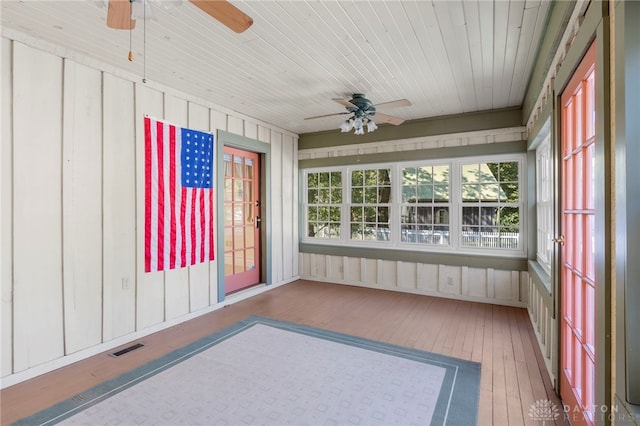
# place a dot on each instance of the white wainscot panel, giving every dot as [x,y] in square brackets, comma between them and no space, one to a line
[544,326]
[352,269]
[370,272]
[407,275]
[335,267]
[477,282]
[387,273]
[319,267]
[450,280]
[427,277]
[503,285]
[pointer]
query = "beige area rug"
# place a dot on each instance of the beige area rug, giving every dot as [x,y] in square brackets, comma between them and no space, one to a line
[267,372]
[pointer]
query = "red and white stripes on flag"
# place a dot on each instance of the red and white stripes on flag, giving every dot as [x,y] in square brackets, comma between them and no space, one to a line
[179,197]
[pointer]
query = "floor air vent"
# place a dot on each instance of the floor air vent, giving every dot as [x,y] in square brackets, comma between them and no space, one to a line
[127,350]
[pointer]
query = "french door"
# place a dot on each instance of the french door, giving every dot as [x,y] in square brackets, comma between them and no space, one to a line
[577,256]
[241,219]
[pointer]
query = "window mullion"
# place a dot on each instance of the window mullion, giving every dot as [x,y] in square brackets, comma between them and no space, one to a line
[456,205]
[395,205]
[345,230]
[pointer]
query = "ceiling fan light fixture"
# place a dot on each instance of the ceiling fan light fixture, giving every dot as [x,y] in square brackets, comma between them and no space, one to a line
[371,126]
[357,123]
[346,126]
[358,126]
[140,9]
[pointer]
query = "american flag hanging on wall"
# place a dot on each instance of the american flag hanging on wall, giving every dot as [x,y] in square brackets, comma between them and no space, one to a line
[178,210]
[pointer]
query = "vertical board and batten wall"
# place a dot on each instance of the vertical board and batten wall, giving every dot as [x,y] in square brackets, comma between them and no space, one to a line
[72,269]
[474,283]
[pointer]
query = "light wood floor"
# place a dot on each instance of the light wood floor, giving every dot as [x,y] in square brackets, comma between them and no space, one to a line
[501,338]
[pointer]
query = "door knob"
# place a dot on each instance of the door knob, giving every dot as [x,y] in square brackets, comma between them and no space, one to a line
[559,240]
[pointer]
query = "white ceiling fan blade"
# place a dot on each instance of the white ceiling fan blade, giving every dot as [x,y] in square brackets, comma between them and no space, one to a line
[394,104]
[380,117]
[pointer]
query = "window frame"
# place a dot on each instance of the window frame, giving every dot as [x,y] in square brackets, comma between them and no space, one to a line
[329,205]
[544,207]
[400,203]
[455,206]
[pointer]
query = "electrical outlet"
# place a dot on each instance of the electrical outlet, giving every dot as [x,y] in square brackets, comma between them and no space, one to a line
[125,283]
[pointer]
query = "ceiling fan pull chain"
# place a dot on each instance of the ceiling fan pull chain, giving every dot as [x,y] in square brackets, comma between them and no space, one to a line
[130,49]
[130,37]
[144,43]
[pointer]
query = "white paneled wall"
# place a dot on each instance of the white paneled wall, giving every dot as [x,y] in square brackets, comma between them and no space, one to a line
[119,208]
[72,157]
[82,206]
[545,327]
[460,282]
[38,329]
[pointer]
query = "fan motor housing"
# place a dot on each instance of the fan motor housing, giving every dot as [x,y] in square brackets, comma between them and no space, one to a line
[363,106]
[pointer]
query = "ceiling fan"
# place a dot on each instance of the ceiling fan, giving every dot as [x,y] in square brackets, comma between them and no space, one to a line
[119,14]
[363,111]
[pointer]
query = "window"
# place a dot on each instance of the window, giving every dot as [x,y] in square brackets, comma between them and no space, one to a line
[544,206]
[370,203]
[472,206]
[324,200]
[425,205]
[490,205]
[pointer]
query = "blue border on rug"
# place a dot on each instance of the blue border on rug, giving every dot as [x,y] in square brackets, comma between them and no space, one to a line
[457,403]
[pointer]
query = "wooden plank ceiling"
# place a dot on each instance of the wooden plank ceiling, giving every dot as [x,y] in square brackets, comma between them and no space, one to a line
[446,57]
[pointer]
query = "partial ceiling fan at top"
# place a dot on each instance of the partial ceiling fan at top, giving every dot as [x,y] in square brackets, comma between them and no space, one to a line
[119,14]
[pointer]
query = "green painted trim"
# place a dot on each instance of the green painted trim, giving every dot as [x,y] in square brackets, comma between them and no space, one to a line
[627,220]
[602,200]
[554,29]
[530,205]
[484,120]
[542,282]
[247,144]
[541,128]
[579,47]
[501,263]
[538,134]
[423,154]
